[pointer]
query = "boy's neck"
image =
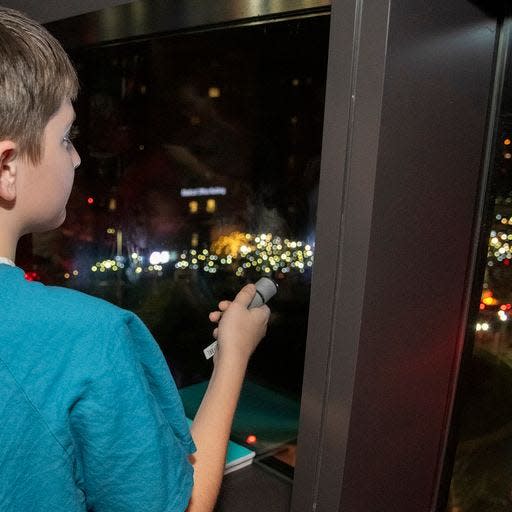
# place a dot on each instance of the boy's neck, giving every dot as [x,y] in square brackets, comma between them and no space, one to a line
[8,243]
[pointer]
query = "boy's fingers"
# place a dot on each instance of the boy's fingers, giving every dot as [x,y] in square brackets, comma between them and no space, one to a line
[214,316]
[215,332]
[245,295]
[224,304]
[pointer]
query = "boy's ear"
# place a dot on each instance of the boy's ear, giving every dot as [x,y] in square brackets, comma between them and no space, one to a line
[7,170]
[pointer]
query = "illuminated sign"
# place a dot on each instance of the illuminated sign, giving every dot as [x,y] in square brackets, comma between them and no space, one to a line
[203,191]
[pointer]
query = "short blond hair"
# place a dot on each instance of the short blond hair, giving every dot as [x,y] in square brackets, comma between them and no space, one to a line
[36,76]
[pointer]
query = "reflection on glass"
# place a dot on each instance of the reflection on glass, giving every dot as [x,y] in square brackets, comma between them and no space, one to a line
[482,477]
[200,163]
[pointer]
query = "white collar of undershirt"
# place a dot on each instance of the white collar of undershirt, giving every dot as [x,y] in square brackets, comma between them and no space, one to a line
[7,261]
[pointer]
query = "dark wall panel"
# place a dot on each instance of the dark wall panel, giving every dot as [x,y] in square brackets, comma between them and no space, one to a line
[436,91]
[405,126]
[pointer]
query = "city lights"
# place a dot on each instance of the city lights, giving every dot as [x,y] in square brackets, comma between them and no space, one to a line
[489,301]
[263,252]
[107,265]
[203,191]
[237,252]
[231,244]
[211,205]
[214,92]
[500,242]
[495,310]
[159,257]
[32,276]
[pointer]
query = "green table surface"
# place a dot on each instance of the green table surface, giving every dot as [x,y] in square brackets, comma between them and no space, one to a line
[270,416]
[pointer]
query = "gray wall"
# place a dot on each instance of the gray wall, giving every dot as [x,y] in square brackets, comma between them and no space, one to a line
[405,129]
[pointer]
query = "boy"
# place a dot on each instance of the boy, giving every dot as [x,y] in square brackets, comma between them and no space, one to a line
[91,419]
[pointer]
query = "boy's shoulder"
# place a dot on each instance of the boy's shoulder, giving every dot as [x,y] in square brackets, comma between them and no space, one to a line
[49,328]
[57,305]
[66,301]
[75,302]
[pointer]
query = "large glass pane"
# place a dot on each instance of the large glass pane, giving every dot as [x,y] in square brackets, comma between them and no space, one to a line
[200,163]
[482,477]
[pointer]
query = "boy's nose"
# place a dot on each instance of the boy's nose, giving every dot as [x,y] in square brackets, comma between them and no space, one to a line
[76,158]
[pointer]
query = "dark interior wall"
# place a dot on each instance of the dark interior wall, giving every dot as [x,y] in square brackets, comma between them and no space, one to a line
[408,92]
[436,91]
[51,10]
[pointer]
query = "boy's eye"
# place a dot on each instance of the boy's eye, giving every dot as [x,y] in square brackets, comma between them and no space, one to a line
[71,135]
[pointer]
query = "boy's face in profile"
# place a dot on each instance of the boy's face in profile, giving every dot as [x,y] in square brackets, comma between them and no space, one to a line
[44,188]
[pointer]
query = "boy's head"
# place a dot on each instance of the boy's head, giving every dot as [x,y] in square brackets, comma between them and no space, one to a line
[36,76]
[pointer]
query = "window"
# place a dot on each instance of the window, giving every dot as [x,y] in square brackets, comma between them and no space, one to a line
[482,474]
[193,207]
[200,165]
[211,205]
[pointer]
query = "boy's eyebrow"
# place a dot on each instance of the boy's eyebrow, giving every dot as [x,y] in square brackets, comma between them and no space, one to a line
[71,122]
[73,118]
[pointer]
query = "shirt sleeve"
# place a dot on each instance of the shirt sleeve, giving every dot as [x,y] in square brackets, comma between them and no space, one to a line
[130,433]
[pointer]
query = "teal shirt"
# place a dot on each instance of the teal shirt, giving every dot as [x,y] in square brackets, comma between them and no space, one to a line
[90,418]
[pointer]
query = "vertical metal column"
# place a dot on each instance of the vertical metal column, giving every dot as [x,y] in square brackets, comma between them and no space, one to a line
[406,107]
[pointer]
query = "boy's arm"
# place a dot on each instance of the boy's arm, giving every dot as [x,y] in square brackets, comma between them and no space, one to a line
[238,334]
[210,431]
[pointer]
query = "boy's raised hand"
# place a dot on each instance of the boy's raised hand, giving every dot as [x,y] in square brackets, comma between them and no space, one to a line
[238,332]
[239,329]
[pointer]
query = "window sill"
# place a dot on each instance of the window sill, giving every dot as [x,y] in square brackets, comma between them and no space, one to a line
[253,489]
